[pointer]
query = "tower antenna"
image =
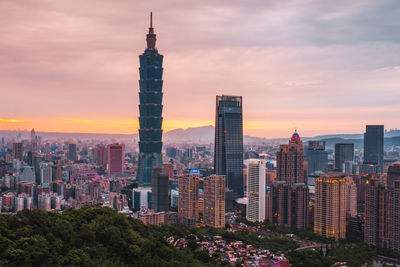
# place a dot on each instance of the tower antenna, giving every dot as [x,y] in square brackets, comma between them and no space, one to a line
[151,37]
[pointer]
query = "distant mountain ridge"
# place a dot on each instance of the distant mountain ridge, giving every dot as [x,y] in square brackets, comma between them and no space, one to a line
[328,136]
[201,134]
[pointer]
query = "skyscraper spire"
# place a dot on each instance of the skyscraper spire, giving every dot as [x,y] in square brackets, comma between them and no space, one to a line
[151,37]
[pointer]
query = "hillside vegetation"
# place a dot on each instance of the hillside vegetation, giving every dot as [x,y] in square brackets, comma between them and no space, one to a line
[88,237]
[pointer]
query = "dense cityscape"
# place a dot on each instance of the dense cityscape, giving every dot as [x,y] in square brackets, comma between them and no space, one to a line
[305,201]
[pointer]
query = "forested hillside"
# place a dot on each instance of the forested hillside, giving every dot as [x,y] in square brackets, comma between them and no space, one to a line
[87,237]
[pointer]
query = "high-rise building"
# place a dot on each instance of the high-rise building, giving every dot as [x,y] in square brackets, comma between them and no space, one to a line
[343,152]
[56,172]
[30,158]
[378,223]
[288,205]
[256,187]
[290,193]
[201,205]
[188,201]
[393,174]
[289,161]
[316,156]
[115,158]
[396,215]
[45,174]
[142,197]
[299,206]
[330,206]
[214,201]
[374,146]
[280,199]
[60,188]
[34,141]
[159,190]
[17,151]
[174,198]
[37,159]
[362,183]
[150,109]
[229,199]
[33,135]
[101,155]
[268,204]
[351,197]
[350,167]
[72,155]
[382,214]
[189,153]
[228,150]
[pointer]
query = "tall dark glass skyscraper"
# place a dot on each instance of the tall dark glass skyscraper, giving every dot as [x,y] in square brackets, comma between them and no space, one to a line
[228,152]
[343,152]
[159,190]
[316,156]
[373,146]
[150,109]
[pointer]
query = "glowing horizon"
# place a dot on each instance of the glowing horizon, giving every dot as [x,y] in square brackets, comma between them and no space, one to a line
[281,129]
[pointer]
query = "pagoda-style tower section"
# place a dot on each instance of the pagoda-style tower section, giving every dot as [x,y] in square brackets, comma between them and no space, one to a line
[150,109]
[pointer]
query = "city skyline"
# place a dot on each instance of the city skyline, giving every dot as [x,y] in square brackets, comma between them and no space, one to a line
[69,69]
[185,190]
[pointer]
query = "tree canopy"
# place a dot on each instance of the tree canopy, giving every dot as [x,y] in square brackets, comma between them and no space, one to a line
[90,236]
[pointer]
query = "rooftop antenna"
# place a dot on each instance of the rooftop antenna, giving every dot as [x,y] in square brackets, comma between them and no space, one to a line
[151,37]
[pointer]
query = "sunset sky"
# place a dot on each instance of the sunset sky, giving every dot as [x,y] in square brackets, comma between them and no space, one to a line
[319,66]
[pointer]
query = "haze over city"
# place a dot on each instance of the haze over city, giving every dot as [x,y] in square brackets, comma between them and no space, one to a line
[321,67]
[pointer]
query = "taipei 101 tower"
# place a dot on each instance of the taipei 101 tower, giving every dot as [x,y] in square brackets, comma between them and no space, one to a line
[150,109]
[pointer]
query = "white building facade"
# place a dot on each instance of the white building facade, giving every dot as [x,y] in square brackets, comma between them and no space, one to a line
[256,186]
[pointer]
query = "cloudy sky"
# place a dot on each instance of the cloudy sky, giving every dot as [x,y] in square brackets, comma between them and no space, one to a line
[318,66]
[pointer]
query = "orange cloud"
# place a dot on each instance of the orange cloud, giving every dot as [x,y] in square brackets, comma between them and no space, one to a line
[11,121]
